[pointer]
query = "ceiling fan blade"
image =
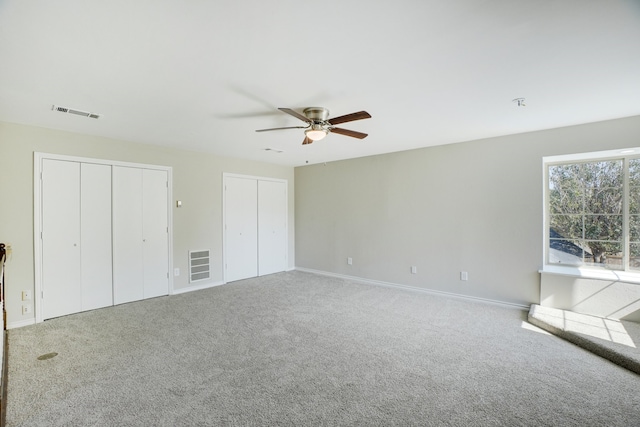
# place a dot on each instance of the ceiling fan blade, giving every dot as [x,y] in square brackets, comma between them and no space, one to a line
[348,132]
[307,141]
[349,117]
[289,127]
[295,114]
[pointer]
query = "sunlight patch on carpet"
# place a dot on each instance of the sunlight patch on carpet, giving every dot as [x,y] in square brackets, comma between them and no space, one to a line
[529,327]
[597,327]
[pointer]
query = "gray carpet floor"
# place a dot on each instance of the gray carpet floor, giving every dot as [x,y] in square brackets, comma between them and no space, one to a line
[301,349]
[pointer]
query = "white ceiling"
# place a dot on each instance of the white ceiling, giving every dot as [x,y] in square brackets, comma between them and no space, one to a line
[203,75]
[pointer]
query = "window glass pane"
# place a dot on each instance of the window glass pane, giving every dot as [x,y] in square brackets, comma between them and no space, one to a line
[566,226]
[602,174]
[603,227]
[634,256]
[603,200]
[634,200]
[607,254]
[565,177]
[634,228]
[563,251]
[566,200]
[634,172]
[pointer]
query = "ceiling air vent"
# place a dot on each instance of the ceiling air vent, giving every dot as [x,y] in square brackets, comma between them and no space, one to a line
[74,111]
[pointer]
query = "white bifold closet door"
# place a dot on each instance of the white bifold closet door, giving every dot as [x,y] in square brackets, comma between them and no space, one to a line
[76,237]
[272,227]
[95,236]
[255,227]
[241,228]
[140,234]
[155,233]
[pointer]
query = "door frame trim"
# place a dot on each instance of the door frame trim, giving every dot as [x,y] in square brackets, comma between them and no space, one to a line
[38,157]
[226,175]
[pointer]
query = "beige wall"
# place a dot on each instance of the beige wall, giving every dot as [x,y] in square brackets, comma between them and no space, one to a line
[474,207]
[197,182]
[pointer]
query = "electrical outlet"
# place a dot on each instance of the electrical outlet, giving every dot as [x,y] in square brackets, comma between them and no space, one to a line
[414,269]
[176,272]
[26,295]
[350,261]
[464,275]
[26,309]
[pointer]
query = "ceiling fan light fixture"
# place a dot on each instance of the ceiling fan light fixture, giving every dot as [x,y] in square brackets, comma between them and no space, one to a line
[316,133]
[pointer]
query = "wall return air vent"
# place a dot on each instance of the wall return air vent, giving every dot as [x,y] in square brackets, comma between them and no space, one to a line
[199,265]
[67,110]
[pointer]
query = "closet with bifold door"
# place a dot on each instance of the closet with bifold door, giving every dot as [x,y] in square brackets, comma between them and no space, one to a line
[140,257]
[102,234]
[255,226]
[76,237]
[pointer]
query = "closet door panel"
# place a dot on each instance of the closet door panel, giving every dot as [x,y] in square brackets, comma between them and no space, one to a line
[128,277]
[95,227]
[241,228]
[272,227]
[155,233]
[61,283]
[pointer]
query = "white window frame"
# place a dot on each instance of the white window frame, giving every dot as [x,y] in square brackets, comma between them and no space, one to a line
[589,271]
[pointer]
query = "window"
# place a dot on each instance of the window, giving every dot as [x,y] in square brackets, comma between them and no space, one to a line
[592,216]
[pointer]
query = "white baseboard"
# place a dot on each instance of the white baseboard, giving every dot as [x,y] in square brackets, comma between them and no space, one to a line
[21,323]
[196,288]
[414,288]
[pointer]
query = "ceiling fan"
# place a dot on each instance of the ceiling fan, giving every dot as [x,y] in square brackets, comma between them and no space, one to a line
[320,125]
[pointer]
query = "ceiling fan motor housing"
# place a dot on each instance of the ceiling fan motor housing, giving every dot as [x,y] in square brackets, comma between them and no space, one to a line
[316,114]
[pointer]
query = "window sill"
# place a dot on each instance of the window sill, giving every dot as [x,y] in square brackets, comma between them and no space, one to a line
[592,273]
